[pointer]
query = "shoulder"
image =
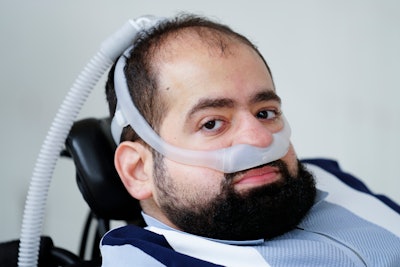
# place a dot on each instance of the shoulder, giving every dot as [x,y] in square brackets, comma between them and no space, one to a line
[125,245]
[351,193]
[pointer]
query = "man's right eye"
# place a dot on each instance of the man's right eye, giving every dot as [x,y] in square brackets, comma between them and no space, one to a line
[212,125]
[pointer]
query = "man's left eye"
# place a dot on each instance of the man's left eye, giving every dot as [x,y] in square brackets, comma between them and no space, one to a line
[266,114]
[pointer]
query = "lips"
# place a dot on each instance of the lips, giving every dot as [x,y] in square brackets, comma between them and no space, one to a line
[258,176]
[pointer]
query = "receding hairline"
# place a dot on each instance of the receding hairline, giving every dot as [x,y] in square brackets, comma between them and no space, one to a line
[215,40]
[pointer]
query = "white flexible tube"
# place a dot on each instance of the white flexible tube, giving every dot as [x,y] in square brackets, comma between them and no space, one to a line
[35,204]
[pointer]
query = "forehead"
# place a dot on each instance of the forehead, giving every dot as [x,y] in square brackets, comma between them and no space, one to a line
[192,73]
[190,69]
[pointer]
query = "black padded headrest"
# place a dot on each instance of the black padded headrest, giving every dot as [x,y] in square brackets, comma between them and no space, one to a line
[92,149]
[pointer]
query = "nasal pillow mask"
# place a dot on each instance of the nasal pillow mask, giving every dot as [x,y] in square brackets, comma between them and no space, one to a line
[228,160]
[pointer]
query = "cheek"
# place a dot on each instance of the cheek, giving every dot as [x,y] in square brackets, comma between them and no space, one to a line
[291,160]
[194,182]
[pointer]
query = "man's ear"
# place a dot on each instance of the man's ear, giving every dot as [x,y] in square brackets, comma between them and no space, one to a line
[133,162]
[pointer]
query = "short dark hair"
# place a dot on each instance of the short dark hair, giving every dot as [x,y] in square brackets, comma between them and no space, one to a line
[140,70]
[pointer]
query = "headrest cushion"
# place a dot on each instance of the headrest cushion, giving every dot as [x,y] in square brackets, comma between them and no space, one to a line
[92,149]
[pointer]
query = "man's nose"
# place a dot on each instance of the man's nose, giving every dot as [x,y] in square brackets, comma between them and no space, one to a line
[254,132]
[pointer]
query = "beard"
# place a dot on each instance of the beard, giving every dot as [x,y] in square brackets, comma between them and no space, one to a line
[264,212]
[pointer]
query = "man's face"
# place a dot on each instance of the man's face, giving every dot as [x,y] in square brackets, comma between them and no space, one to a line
[216,101]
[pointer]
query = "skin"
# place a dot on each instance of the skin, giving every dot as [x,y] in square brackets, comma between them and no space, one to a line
[212,103]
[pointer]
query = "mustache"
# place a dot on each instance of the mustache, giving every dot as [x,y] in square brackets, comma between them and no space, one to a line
[280,164]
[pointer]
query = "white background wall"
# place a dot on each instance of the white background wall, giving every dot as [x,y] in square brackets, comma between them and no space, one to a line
[335,64]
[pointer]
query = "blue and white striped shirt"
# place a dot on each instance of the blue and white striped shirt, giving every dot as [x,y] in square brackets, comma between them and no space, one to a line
[346,227]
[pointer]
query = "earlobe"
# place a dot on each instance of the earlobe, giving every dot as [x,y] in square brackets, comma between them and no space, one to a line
[133,163]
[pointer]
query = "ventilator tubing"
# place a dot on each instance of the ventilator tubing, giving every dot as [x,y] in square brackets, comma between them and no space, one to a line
[35,204]
[228,160]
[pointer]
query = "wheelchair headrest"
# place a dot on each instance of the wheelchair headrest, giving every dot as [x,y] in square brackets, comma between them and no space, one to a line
[92,148]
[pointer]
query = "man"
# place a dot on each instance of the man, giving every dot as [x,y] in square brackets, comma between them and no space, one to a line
[206,91]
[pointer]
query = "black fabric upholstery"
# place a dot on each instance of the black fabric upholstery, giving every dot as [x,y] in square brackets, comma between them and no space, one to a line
[49,255]
[92,148]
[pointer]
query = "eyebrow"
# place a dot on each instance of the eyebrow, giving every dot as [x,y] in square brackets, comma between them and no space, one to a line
[269,95]
[206,103]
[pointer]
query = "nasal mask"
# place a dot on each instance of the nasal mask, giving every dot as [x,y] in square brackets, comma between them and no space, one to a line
[228,160]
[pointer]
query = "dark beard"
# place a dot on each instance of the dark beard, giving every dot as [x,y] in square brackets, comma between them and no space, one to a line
[264,212]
